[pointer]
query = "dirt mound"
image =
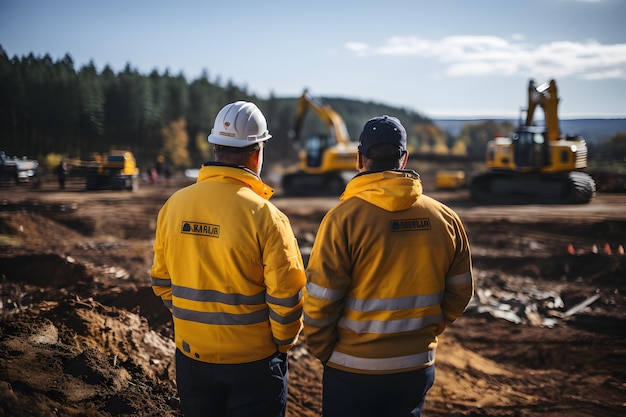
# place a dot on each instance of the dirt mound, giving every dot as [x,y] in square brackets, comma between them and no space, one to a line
[81,358]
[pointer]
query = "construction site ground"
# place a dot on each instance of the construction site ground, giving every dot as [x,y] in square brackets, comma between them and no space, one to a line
[82,334]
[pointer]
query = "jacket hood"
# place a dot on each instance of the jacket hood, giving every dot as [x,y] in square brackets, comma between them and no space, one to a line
[394,190]
[230,173]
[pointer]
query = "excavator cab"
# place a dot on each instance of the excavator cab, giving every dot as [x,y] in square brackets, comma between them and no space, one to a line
[530,149]
[315,146]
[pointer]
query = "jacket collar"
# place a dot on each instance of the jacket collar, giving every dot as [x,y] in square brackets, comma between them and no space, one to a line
[392,190]
[221,171]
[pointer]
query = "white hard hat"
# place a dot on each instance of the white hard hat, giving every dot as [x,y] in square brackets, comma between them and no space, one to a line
[239,124]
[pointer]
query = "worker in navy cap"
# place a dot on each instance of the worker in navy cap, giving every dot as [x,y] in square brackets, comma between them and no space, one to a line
[389,270]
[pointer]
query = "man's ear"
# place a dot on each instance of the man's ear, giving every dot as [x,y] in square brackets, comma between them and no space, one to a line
[405,159]
[359,161]
[253,160]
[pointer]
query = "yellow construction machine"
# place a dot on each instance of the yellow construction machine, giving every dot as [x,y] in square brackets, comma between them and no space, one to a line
[536,164]
[326,161]
[450,180]
[115,170]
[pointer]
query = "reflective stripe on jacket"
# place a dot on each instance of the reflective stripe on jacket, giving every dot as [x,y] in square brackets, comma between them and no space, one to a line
[228,266]
[389,269]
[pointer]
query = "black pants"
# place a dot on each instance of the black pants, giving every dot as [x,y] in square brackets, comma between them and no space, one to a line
[390,395]
[256,389]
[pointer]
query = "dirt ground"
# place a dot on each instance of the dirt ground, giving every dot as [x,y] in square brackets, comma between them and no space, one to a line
[81,333]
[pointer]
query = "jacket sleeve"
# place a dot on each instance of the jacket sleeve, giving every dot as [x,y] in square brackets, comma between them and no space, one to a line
[284,279]
[459,285]
[159,274]
[328,278]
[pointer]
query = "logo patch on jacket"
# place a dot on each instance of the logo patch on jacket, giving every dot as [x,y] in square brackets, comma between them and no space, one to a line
[202,229]
[408,225]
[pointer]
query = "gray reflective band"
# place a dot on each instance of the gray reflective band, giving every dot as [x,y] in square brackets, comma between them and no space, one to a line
[324,293]
[463,279]
[389,304]
[382,364]
[286,302]
[168,304]
[220,318]
[286,319]
[282,342]
[213,296]
[160,282]
[390,326]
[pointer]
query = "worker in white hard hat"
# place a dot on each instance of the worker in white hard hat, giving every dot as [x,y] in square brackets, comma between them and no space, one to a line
[228,266]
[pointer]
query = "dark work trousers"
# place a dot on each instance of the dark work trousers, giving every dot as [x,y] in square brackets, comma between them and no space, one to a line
[389,395]
[254,389]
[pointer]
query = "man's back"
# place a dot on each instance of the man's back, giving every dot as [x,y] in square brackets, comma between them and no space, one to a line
[224,256]
[386,250]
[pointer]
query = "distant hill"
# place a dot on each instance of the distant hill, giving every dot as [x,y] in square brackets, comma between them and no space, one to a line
[593,130]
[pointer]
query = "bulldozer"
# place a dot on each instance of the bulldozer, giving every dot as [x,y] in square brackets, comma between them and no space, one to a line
[115,170]
[536,164]
[327,161]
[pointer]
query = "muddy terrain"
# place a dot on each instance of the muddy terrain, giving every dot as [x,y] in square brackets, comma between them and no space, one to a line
[81,333]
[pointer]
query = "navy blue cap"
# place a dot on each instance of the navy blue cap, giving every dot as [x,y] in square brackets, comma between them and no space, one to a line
[381,130]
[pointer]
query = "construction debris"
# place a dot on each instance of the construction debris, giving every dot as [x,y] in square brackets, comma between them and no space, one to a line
[526,305]
[581,306]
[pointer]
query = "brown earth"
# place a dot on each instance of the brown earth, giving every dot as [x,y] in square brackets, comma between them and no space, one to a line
[81,333]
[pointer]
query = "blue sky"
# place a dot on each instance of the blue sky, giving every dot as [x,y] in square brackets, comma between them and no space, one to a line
[443,58]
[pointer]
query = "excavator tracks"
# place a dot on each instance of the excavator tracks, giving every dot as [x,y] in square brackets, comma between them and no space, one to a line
[508,187]
[315,185]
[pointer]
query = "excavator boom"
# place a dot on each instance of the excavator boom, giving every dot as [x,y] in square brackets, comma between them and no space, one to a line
[332,119]
[544,95]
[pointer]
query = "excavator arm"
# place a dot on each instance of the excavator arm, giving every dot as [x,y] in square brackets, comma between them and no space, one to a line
[332,119]
[544,95]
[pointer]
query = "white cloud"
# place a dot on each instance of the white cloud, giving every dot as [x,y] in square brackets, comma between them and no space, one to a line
[603,75]
[397,46]
[358,48]
[492,55]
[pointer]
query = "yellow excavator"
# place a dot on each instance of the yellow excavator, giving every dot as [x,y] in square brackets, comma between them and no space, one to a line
[326,161]
[536,164]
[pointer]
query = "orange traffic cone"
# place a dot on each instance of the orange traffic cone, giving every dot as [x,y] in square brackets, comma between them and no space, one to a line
[607,249]
[570,249]
[594,248]
[620,250]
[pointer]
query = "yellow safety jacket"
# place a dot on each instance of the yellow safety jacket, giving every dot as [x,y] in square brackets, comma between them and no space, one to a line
[389,269]
[227,264]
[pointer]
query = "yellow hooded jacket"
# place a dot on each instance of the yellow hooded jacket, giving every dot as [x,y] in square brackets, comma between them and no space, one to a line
[389,269]
[227,265]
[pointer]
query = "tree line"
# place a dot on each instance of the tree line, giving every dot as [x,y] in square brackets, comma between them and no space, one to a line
[48,106]
[52,107]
